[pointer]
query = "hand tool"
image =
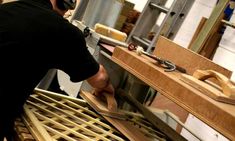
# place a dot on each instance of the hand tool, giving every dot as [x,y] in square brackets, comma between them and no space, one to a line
[169,66]
[151,117]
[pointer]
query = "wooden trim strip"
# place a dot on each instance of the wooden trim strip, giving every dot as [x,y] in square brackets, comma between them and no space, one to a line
[59,134]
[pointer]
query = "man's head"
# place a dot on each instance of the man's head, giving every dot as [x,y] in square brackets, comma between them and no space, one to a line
[62,6]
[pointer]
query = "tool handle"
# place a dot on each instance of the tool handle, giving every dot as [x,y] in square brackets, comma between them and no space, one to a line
[227,86]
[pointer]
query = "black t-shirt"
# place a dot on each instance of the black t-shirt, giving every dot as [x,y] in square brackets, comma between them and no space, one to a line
[34,39]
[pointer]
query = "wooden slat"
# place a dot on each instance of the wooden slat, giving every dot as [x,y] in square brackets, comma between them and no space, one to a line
[199,28]
[211,44]
[186,58]
[218,115]
[59,134]
[42,134]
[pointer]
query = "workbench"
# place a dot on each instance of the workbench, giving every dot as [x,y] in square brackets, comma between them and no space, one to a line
[219,116]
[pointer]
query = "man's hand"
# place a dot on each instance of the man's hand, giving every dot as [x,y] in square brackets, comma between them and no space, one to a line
[101,83]
[108,93]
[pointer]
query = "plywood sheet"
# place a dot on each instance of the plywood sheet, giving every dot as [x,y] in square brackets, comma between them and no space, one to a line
[186,58]
[218,115]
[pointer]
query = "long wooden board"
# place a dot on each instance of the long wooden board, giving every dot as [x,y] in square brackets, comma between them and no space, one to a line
[218,115]
[208,50]
[186,58]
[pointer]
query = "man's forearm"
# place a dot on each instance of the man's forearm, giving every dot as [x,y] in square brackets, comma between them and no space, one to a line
[100,80]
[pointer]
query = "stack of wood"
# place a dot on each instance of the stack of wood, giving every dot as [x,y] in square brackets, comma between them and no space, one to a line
[127,6]
[127,18]
[132,17]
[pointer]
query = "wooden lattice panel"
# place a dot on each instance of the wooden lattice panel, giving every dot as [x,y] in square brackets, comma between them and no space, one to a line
[55,117]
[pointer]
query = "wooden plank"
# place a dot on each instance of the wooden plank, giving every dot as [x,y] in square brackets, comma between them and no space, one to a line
[186,58]
[212,42]
[211,45]
[210,26]
[199,28]
[218,115]
[129,130]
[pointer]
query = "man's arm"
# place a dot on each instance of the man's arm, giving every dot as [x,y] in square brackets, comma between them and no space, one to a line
[101,83]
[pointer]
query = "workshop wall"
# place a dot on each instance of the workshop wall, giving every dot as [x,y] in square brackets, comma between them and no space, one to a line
[225,53]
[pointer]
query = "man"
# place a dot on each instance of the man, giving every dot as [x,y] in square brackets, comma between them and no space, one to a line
[34,37]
